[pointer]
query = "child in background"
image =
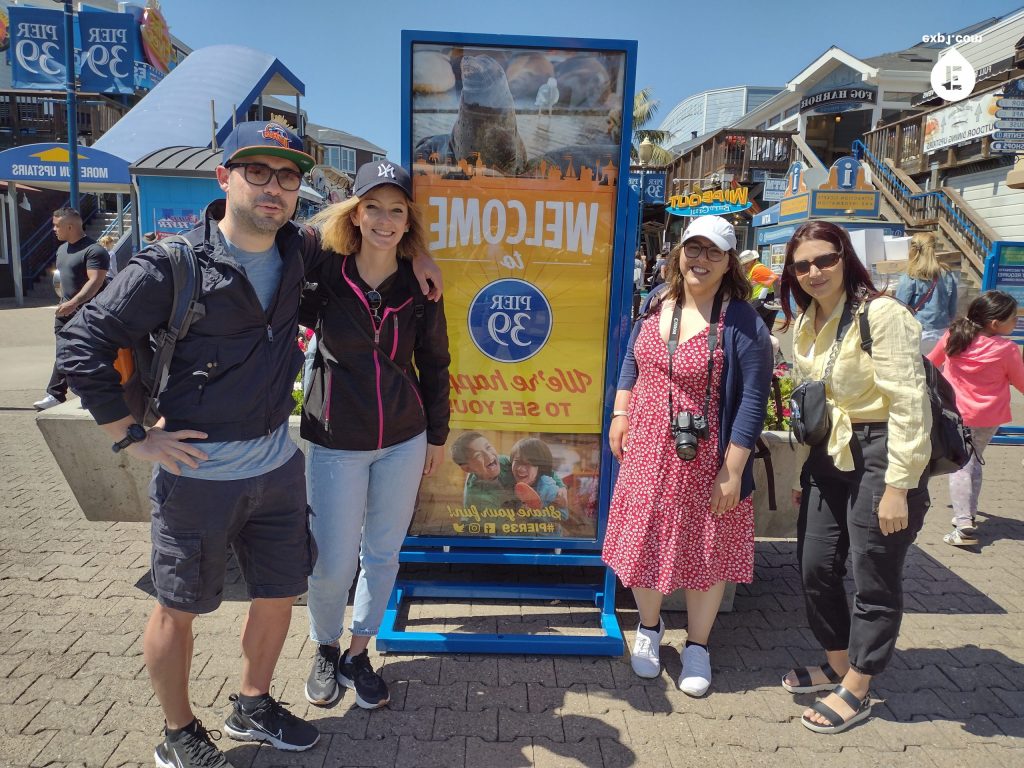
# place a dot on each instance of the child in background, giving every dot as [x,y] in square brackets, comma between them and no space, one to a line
[981,366]
[533,467]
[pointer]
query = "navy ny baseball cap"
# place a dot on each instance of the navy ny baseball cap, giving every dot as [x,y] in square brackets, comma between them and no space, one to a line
[265,138]
[379,172]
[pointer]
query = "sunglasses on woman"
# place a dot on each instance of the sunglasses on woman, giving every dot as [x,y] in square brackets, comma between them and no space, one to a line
[822,262]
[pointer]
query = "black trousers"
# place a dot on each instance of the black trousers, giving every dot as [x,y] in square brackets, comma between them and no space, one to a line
[839,518]
[58,386]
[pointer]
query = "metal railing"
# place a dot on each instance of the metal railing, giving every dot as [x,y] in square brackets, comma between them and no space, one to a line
[735,151]
[943,207]
[37,251]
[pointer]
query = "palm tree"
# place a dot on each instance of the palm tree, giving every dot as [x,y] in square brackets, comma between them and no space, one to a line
[644,109]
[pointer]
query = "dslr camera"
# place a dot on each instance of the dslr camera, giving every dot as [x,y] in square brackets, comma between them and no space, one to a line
[687,430]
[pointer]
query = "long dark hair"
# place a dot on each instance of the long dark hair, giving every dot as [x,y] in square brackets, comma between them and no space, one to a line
[856,279]
[735,284]
[989,306]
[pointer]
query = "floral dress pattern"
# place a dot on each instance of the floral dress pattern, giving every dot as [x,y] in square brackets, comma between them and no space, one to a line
[661,532]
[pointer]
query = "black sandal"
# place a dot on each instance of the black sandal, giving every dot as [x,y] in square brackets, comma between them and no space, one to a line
[803,679]
[861,710]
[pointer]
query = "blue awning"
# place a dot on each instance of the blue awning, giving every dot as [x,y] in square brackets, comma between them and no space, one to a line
[177,111]
[48,166]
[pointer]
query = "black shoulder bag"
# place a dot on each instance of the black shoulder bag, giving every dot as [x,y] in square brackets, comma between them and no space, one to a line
[810,416]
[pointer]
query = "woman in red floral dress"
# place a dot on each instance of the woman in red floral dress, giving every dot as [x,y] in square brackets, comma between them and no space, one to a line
[688,523]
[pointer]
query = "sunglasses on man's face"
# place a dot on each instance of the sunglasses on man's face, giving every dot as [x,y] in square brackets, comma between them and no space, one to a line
[822,262]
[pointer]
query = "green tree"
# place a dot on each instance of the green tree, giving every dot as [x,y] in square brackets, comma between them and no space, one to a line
[644,109]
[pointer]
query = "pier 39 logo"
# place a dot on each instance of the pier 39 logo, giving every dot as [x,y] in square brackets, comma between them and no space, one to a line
[509,320]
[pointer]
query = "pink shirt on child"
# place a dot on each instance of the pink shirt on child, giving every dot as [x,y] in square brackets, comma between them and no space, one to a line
[982,375]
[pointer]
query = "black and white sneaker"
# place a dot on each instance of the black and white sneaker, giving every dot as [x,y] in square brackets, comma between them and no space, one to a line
[269,721]
[322,684]
[192,747]
[371,690]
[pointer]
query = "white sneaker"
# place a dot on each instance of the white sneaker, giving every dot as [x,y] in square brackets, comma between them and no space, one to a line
[695,678]
[645,658]
[47,402]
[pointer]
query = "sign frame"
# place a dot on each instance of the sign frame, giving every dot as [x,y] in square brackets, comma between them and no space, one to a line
[525,550]
[994,269]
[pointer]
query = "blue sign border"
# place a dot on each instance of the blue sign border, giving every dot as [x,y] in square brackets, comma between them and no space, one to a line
[621,292]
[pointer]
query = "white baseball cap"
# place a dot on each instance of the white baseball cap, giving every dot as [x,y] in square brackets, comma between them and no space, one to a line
[748,256]
[714,228]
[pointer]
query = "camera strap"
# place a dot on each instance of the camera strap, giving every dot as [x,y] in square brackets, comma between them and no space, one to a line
[673,342]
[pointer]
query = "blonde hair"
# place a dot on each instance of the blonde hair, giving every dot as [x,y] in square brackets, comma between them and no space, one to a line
[923,264]
[339,234]
[107,241]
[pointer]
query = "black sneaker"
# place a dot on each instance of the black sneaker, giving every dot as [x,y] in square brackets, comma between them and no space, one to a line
[371,690]
[272,723]
[322,683]
[191,748]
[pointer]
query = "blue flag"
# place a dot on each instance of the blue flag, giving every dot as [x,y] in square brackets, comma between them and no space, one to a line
[37,48]
[107,62]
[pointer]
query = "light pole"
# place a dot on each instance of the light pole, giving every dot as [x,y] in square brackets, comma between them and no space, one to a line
[71,105]
[645,151]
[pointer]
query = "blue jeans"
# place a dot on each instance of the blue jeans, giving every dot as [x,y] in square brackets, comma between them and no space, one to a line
[362,505]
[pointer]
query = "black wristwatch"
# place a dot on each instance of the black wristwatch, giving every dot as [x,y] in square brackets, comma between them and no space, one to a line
[136,434]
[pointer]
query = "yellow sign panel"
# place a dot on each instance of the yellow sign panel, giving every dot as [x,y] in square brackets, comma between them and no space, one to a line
[793,206]
[527,265]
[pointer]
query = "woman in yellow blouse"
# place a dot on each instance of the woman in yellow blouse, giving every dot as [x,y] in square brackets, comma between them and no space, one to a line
[864,489]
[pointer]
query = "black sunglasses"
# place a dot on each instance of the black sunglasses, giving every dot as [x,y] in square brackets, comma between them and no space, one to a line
[259,175]
[374,299]
[822,262]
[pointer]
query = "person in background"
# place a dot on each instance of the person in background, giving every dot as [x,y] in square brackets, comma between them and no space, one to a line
[982,365]
[929,288]
[376,417]
[82,266]
[864,488]
[684,518]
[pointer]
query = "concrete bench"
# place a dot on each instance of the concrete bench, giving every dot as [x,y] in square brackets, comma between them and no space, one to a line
[115,487]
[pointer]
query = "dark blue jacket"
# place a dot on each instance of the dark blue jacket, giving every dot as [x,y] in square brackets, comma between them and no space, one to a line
[232,374]
[746,377]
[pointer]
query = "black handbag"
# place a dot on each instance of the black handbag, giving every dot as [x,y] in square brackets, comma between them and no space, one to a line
[810,414]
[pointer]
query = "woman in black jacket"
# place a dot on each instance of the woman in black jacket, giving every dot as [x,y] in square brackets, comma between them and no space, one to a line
[376,415]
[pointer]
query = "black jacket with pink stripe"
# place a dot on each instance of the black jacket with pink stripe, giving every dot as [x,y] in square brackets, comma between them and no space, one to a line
[365,396]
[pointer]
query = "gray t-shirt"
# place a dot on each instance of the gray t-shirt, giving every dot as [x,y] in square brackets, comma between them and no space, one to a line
[239,459]
[73,262]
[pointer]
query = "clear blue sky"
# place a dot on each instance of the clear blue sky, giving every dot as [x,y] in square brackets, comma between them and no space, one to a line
[348,53]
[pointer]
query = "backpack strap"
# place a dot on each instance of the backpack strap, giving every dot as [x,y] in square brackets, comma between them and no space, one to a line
[185,310]
[865,328]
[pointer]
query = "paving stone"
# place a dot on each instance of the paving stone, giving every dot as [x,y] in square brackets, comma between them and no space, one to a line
[347,752]
[569,670]
[413,753]
[542,698]
[268,757]
[482,670]
[452,696]
[483,725]
[510,754]
[70,691]
[69,747]
[61,665]
[21,750]
[14,717]
[554,754]
[344,720]
[385,722]
[415,669]
[512,725]
[83,720]
[512,697]
[610,725]
[615,754]
[601,700]
[526,669]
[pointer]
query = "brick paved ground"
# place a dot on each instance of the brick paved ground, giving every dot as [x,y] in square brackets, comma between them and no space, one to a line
[73,690]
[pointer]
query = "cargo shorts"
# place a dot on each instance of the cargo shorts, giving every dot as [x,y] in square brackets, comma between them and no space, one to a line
[264,519]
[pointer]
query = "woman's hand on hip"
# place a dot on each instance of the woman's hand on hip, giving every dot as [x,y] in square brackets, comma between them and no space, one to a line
[893,515]
[435,455]
[618,434]
[725,494]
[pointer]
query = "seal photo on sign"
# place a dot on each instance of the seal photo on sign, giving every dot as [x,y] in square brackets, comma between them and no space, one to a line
[485,126]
